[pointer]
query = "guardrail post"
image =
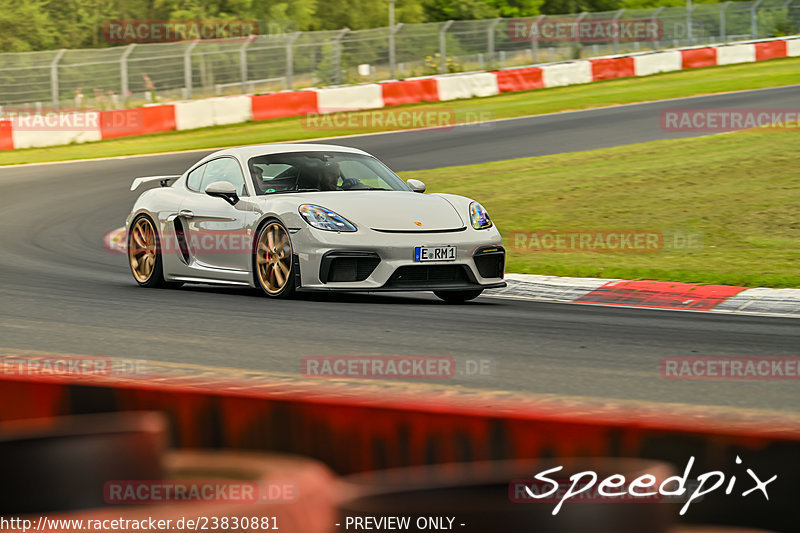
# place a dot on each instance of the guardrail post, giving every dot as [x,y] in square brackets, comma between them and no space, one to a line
[443,46]
[392,57]
[576,33]
[490,39]
[535,39]
[243,62]
[786,6]
[290,59]
[187,69]
[723,22]
[337,63]
[54,78]
[616,34]
[123,73]
[754,18]
[393,50]
[654,18]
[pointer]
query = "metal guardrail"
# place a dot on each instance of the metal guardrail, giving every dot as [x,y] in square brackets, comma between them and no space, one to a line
[141,73]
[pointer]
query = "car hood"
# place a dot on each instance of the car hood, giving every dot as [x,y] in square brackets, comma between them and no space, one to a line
[390,210]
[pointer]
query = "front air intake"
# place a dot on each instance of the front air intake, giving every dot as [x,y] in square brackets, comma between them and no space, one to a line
[347,266]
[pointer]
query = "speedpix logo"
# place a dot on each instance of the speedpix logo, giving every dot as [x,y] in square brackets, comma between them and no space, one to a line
[616,487]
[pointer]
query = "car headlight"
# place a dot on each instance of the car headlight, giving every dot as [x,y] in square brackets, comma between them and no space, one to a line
[325,219]
[479,217]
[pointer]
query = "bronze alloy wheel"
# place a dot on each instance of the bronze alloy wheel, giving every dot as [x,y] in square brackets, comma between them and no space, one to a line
[142,249]
[274,260]
[144,254]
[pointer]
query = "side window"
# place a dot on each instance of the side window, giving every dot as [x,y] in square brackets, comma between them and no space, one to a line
[272,177]
[195,178]
[224,169]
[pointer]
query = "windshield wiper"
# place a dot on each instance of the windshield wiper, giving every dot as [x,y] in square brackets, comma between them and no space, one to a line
[291,190]
[366,189]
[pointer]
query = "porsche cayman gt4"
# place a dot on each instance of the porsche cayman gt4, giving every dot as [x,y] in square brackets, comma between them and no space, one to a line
[309,217]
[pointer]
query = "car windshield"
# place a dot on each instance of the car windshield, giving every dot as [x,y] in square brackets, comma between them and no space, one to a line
[321,171]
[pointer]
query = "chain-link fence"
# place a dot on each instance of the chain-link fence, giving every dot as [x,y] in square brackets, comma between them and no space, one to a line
[140,73]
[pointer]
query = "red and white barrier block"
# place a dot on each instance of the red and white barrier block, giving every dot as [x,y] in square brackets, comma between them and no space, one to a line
[70,128]
[458,86]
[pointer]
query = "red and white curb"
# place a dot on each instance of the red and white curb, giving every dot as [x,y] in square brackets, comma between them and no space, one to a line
[653,294]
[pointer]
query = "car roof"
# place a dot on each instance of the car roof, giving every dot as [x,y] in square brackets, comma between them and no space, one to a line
[244,153]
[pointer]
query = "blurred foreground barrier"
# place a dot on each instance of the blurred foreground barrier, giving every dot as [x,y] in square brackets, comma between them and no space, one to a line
[63,463]
[114,467]
[360,427]
[219,491]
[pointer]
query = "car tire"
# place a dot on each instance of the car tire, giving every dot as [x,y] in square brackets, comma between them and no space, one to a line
[273,264]
[144,254]
[458,297]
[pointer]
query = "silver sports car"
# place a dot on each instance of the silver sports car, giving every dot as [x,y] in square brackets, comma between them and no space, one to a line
[309,217]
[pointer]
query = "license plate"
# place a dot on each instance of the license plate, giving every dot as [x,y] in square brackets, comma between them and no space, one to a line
[434,253]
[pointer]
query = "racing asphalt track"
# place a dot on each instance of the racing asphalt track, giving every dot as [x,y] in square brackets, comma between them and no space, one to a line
[61,292]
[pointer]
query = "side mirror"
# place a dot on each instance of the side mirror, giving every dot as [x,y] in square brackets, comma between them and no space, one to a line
[224,190]
[416,185]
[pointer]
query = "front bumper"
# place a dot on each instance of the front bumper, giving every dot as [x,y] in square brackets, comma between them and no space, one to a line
[371,260]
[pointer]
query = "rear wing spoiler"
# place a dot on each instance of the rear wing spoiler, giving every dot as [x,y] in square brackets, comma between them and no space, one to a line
[163,180]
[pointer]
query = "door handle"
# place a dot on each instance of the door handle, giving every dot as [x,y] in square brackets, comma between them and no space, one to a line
[185,213]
